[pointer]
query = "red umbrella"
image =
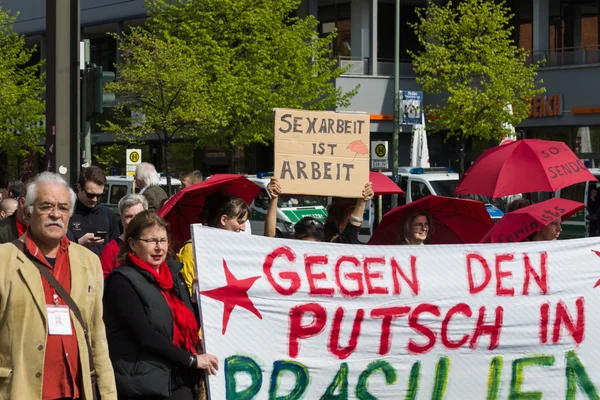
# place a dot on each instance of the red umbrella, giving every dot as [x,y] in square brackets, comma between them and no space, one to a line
[185,208]
[524,166]
[520,224]
[454,220]
[383,185]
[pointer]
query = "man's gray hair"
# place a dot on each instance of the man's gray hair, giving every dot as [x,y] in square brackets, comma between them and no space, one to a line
[147,174]
[131,200]
[46,178]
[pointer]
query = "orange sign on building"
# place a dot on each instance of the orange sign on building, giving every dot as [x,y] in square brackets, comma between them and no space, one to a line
[546,106]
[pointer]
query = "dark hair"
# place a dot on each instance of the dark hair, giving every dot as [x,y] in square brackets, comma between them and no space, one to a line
[518,204]
[221,203]
[15,188]
[407,226]
[309,227]
[141,222]
[336,213]
[92,174]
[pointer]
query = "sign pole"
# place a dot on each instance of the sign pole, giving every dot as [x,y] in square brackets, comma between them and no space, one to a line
[379,207]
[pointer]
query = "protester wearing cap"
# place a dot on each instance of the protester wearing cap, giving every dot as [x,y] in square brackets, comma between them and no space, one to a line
[148,181]
[93,225]
[129,206]
[151,324]
[46,284]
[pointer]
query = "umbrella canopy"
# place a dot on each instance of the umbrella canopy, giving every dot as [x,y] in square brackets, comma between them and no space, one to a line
[383,185]
[524,166]
[455,221]
[185,208]
[524,222]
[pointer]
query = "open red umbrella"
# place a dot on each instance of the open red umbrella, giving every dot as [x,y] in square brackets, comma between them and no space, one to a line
[383,185]
[524,222]
[455,220]
[185,208]
[524,166]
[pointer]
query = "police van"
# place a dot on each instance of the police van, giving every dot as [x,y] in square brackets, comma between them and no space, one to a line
[578,226]
[291,208]
[440,181]
[119,186]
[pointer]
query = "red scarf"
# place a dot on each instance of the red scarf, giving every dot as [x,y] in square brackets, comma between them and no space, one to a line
[185,327]
[21,228]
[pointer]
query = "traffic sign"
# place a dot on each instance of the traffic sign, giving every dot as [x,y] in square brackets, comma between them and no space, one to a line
[379,155]
[133,159]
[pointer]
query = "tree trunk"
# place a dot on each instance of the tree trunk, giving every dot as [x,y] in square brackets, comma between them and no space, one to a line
[461,157]
[232,154]
[167,168]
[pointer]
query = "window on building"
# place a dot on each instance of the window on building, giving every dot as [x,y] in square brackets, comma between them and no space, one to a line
[337,16]
[386,20]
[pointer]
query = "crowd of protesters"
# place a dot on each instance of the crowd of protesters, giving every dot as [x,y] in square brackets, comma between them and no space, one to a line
[133,330]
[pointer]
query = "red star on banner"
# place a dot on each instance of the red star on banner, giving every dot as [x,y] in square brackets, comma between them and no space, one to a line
[235,293]
[598,282]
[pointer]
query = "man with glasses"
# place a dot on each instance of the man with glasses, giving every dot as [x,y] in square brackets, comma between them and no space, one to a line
[45,281]
[93,225]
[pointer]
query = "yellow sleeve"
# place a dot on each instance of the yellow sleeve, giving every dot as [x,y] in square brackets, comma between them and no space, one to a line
[186,257]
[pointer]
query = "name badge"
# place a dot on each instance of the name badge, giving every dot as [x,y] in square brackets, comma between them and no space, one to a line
[59,320]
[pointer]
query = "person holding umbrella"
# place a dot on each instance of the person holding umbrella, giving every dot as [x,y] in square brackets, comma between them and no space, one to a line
[536,222]
[417,228]
[221,211]
[549,232]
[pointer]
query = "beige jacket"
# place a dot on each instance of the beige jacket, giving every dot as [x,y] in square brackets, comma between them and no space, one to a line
[23,328]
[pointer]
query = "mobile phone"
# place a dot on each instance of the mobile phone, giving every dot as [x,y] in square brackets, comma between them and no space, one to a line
[100,234]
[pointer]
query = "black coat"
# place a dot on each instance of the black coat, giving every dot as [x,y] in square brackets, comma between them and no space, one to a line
[99,218]
[139,329]
[8,229]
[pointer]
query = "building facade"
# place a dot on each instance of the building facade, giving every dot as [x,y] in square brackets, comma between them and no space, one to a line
[563,33]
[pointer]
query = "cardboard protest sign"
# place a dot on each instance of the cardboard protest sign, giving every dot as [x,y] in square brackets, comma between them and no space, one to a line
[321,152]
[294,319]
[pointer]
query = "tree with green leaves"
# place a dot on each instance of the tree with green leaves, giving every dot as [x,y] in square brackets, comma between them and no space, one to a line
[245,57]
[22,109]
[162,91]
[468,57]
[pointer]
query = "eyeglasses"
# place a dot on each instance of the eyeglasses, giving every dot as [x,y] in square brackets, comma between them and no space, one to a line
[153,242]
[421,225]
[93,196]
[46,208]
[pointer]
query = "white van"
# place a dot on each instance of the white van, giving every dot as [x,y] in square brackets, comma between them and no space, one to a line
[119,186]
[440,181]
[290,208]
[578,226]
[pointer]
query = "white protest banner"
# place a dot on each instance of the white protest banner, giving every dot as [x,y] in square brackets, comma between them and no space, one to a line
[293,319]
[322,153]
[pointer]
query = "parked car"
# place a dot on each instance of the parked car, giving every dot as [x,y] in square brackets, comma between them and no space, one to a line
[119,186]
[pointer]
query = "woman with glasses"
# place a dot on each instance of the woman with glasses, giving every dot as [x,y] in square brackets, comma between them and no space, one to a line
[151,324]
[417,228]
